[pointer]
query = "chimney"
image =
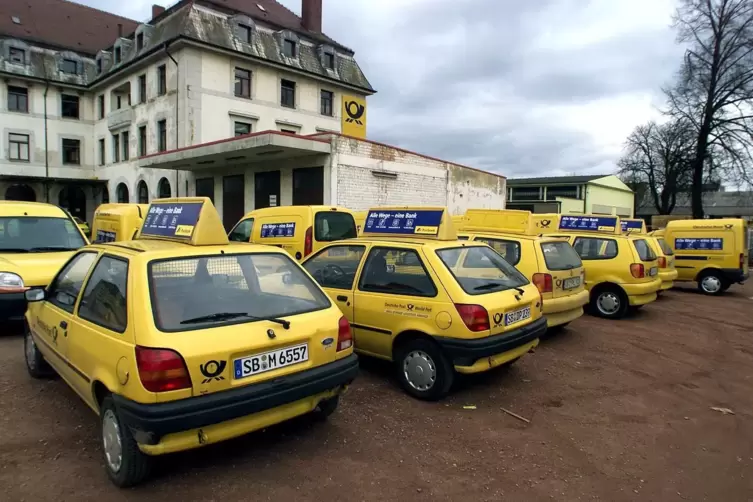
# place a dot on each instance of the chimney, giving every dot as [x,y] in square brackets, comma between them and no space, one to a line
[157,10]
[312,15]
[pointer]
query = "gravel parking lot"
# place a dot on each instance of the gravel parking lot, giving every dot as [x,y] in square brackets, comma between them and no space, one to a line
[618,411]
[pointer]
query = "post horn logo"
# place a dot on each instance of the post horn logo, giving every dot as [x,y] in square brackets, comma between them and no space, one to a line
[212,370]
[498,319]
[545,223]
[354,111]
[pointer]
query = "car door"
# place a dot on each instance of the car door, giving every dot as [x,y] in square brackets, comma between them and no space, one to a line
[56,315]
[335,268]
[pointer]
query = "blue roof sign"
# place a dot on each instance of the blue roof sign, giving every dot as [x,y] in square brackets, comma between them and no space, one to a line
[589,223]
[631,225]
[693,244]
[172,219]
[403,222]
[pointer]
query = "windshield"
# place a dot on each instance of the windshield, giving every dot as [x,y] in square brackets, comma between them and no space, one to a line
[560,256]
[644,251]
[334,225]
[242,231]
[209,288]
[665,248]
[26,234]
[480,270]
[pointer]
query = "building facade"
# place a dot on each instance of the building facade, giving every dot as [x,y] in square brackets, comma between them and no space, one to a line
[596,194]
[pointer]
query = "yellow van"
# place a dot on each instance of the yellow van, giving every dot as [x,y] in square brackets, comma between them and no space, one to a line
[117,222]
[430,303]
[36,239]
[299,230]
[713,253]
[177,340]
[621,271]
[665,255]
[550,263]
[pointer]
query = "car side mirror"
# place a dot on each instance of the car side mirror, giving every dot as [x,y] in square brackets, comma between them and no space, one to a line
[35,295]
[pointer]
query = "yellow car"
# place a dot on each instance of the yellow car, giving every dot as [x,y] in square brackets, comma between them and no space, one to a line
[621,271]
[550,263]
[665,255]
[177,340]
[84,226]
[430,303]
[35,241]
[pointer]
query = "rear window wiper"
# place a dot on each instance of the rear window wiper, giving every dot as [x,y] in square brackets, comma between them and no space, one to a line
[224,316]
[488,285]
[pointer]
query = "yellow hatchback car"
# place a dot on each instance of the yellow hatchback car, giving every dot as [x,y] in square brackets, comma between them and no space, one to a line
[664,254]
[178,340]
[550,263]
[433,305]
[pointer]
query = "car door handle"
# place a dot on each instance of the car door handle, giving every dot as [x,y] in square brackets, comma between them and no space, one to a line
[342,298]
[63,324]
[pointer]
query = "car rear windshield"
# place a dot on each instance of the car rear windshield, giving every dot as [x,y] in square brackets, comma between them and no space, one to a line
[207,291]
[480,270]
[665,248]
[560,256]
[26,234]
[644,250]
[334,225]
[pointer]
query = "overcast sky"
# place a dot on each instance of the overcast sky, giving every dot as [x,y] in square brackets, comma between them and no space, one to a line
[524,88]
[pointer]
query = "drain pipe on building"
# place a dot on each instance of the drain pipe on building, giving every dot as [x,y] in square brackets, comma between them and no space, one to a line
[177,102]
[46,149]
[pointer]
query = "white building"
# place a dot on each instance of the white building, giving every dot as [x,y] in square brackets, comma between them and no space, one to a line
[123,111]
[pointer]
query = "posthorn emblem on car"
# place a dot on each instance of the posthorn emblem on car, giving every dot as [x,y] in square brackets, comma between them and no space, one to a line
[212,370]
[545,223]
[498,318]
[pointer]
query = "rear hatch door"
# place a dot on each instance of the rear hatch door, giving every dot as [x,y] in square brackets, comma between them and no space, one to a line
[558,258]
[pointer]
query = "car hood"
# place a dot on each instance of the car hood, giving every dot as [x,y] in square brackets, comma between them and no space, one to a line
[36,269]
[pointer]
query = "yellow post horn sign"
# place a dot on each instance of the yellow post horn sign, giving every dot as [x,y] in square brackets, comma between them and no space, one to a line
[354,116]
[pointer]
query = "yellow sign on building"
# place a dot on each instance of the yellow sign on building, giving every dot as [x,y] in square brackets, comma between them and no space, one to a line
[354,116]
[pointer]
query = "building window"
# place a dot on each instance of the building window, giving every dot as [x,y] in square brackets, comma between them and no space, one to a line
[162,135]
[18,145]
[139,41]
[71,151]
[117,100]
[18,99]
[101,101]
[143,193]
[242,83]
[122,193]
[525,193]
[69,107]
[326,106]
[69,66]
[118,53]
[287,93]
[570,191]
[242,128]
[162,80]
[163,189]
[245,33]
[142,141]
[116,147]
[329,60]
[102,159]
[17,55]
[126,145]
[289,48]
[142,88]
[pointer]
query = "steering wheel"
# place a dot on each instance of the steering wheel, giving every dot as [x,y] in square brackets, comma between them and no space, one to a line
[333,272]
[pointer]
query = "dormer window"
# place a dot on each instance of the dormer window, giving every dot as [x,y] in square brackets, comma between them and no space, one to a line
[329,60]
[289,48]
[118,53]
[139,41]
[244,33]
[99,66]
[17,55]
[69,66]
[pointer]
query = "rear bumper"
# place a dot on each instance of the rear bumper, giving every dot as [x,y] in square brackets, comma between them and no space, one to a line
[150,422]
[565,309]
[466,352]
[642,288]
[12,306]
[735,275]
[667,276]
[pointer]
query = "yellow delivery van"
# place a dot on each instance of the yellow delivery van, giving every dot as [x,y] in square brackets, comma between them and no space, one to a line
[117,222]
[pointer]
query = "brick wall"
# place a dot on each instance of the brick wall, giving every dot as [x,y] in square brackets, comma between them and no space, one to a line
[358,189]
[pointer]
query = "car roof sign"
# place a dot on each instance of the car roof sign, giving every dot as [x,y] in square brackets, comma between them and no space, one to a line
[416,222]
[633,225]
[590,223]
[509,221]
[191,220]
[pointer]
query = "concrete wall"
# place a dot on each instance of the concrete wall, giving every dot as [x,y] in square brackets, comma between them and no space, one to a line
[606,200]
[472,189]
[570,206]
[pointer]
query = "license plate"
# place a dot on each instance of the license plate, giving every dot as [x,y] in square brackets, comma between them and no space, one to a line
[517,316]
[570,283]
[268,361]
[653,271]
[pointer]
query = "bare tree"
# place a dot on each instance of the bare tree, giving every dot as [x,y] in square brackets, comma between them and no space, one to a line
[714,91]
[659,157]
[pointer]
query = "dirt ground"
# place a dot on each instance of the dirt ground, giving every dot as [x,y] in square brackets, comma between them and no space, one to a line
[618,411]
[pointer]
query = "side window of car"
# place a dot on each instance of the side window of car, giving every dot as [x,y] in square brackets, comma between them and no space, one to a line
[242,231]
[397,272]
[510,250]
[104,299]
[594,248]
[336,266]
[65,288]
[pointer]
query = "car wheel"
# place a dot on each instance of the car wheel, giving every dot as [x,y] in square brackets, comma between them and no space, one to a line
[326,407]
[423,370]
[610,303]
[35,363]
[711,283]
[126,465]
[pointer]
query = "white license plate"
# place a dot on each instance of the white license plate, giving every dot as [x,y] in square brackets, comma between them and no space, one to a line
[570,283]
[268,361]
[517,316]
[653,271]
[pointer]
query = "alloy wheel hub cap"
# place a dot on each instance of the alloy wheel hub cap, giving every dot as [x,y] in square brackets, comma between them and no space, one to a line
[420,370]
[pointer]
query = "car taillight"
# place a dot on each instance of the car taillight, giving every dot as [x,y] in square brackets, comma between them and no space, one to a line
[638,270]
[308,242]
[475,317]
[543,282]
[662,262]
[162,370]
[742,261]
[344,335]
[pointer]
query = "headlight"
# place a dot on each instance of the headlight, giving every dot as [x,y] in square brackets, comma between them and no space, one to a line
[10,281]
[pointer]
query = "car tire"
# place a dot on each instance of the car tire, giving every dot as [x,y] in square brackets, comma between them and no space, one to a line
[326,407]
[609,302]
[711,283]
[35,363]
[423,370]
[125,463]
